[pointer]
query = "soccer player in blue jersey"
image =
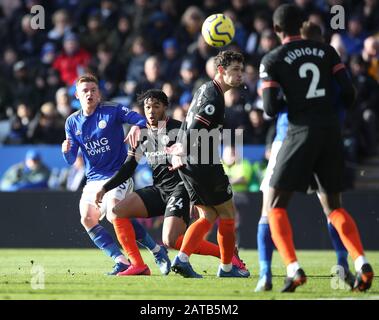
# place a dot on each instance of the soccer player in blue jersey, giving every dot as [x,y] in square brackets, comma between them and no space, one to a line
[97,129]
[264,240]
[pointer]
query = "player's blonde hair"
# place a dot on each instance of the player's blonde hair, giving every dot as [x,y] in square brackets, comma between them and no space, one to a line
[87,78]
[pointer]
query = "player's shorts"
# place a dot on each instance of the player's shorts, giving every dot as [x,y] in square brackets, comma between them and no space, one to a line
[308,153]
[119,193]
[275,147]
[207,185]
[158,202]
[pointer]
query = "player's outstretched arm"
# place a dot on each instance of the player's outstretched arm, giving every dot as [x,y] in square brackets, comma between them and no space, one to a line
[124,173]
[138,121]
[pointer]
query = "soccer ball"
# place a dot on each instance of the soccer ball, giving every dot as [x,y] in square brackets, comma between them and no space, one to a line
[218,30]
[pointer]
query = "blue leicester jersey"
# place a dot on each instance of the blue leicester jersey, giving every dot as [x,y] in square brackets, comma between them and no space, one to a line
[100,138]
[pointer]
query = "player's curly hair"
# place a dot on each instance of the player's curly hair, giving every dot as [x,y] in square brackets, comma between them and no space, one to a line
[225,58]
[156,94]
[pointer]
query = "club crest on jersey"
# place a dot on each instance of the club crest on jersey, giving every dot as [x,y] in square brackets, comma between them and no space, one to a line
[165,140]
[210,109]
[229,189]
[102,124]
[78,132]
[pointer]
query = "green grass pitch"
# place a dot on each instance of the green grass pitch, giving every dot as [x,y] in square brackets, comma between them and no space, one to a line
[79,274]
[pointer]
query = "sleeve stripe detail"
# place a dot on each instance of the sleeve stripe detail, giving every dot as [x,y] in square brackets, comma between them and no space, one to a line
[338,67]
[198,117]
[270,84]
[201,120]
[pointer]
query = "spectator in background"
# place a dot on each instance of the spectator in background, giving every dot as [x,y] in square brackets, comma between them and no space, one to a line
[190,28]
[367,102]
[107,68]
[189,73]
[256,133]
[235,115]
[29,41]
[268,42]
[158,29]
[261,22]
[369,10]
[5,98]
[171,60]
[337,43]
[23,87]
[108,13]
[30,174]
[20,125]
[135,70]
[172,92]
[62,26]
[10,57]
[48,126]
[94,34]
[179,114]
[72,61]
[251,78]
[370,54]
[152,76]
[240,35]
[120,39]
[185,101]
[199,52]
[62,101]
[354,37]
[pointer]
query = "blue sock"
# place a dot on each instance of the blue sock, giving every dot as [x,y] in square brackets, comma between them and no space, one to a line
[104,241]
[265,247]
[340,249]
[142,236]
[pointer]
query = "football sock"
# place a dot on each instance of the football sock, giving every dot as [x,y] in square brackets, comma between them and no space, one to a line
[292,268]
[226,267]
[265,246]
[347,231]
[281,233]
[359,262]
[143,237]
[195,235]
[183,257]
[226,239]
[127,237]
[205,248]
[340,249]
[104,241]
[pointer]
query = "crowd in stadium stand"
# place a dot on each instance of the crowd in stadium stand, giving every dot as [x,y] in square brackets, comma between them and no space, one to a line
[135,45]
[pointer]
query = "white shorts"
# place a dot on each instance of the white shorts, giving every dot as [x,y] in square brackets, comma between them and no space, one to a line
[119,193]
[276,145]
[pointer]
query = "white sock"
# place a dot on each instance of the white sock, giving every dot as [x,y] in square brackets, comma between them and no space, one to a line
[359,262]
[183,257]
[156,248]
[226,267]
[292,268]
[121,259]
